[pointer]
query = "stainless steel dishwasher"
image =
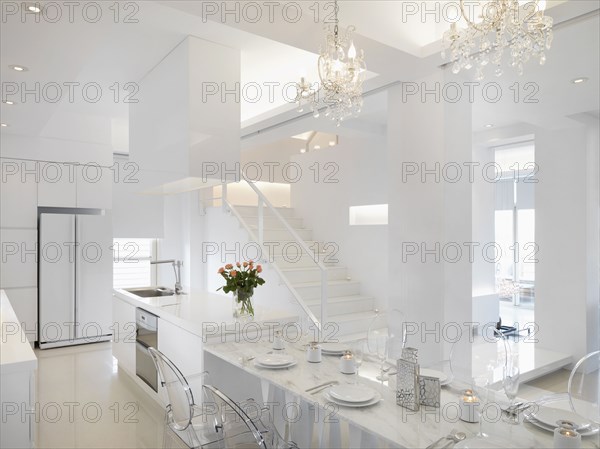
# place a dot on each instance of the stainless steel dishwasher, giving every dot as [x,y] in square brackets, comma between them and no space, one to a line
[146,336]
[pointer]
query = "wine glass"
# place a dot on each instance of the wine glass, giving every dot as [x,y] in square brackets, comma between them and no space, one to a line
[481,387]
[359,353]
[382,340]
[511,388]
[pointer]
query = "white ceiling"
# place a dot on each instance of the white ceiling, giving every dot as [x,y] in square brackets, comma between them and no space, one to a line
[282,51]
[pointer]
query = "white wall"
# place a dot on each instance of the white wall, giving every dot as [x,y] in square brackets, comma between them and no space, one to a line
[360,166]
[567,297]
[256,161]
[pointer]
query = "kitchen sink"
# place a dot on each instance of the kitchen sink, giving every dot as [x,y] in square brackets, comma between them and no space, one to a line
[151,292]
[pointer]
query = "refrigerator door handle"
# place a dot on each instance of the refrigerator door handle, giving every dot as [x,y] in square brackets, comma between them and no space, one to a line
[76,288]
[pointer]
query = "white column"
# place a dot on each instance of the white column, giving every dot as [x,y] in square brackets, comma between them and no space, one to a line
[566,198]
[428,211]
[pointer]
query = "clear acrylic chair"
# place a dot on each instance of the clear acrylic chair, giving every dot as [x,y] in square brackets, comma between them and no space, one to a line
[243,427]
[584,387]
[183,416]
[397,333]
[478,356]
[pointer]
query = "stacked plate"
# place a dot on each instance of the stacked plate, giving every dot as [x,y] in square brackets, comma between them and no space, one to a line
[546,418]
[330,348]
[275,361]
[352,395]
[444,379]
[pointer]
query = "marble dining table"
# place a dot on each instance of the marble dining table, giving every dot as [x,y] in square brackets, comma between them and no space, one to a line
[312,421]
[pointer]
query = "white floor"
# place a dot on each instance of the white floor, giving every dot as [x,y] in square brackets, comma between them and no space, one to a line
[110,411]
[516,314]
[83,401]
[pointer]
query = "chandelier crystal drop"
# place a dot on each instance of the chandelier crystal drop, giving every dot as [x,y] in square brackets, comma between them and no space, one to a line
[342,71]
[516,29]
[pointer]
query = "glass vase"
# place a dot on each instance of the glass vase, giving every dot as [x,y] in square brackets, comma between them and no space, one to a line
[243,309]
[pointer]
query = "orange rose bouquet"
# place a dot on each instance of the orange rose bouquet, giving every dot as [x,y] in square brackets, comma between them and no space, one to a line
[241,280]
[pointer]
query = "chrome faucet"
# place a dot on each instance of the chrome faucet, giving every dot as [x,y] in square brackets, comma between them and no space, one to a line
[177,264]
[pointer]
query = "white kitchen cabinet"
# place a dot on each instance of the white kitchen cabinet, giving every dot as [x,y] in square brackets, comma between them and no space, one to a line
[18,194]
[184,349]
[18,265]
[124,335]
[57,185]
[24,303]
[94,186]
[70,185]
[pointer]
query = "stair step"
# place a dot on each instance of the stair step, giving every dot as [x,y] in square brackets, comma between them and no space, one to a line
[312,273]
[355,336]
[350,323]
[312,290]
[276,235]
[290,262]
[252,211]
[274,222]
[343,305]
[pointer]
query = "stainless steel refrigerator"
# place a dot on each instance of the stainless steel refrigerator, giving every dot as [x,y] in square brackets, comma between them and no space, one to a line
[74,276]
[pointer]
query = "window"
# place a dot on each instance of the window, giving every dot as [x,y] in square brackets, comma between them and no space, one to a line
[131,262]
[376,214]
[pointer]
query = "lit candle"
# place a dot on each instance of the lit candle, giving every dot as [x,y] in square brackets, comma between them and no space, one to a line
[278,343]
[469,405]
[568,438]
[347,364]
[313,352]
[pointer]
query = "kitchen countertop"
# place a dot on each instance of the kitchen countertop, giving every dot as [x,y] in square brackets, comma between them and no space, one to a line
[16,353]
[205,314]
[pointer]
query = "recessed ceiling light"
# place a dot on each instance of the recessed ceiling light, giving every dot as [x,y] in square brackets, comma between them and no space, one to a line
[489,125]
[317,147]
[302,150]
[332,143]
[18,68]
[579,80]
[8,102]
[34,7]
[3,125]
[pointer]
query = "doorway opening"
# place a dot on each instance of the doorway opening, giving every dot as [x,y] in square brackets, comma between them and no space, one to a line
[515,227]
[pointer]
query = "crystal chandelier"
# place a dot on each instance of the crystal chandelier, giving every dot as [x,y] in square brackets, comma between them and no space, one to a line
[342,72]
[517,27]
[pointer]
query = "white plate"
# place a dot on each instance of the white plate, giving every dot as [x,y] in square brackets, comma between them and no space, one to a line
[373,401]
[289,365]
[549,413]
[491,442]
[433,373]
[337,354]
[331,347]
[352,393]
[275,360]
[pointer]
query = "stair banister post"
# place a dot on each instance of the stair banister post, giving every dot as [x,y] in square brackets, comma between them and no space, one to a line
[323,302]
[224,196]
[261,222]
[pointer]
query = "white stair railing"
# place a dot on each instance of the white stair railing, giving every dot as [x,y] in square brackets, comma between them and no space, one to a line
[263,201]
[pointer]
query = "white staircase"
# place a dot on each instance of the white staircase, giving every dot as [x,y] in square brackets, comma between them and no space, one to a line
[346,306]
